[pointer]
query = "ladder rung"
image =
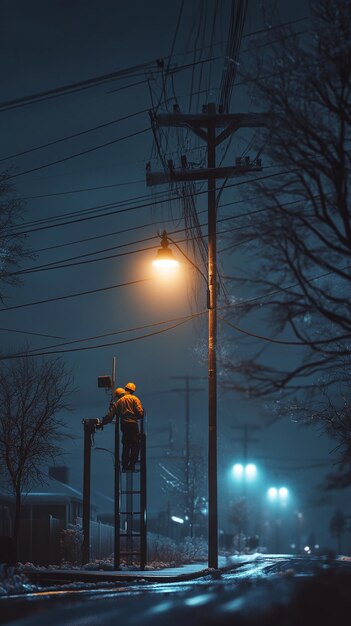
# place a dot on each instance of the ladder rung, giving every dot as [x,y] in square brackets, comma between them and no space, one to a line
[130,491]
[129,512]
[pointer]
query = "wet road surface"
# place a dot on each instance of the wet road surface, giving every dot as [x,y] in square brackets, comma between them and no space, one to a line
[286,591]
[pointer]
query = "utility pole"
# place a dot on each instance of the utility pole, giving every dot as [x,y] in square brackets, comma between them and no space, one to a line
[213,128]
[245,440]
[90,426]
[189,506]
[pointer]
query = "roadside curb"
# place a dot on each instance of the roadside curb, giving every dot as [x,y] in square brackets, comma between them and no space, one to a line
[101,576]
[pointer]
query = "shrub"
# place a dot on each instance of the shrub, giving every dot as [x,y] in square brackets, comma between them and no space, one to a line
[71,543]
[193,549]
[163,550]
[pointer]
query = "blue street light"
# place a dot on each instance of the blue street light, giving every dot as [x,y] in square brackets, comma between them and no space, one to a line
[244,472]
[278,494]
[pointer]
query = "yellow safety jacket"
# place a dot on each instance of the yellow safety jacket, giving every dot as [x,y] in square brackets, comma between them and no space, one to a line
[128,408]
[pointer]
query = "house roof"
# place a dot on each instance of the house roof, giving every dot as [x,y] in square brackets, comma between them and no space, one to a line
[53,491]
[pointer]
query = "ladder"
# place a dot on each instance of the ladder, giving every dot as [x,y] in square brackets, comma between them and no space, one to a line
[130,507]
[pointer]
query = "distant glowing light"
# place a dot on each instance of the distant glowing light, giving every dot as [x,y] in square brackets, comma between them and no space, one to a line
[283,493]
[238,471]
[176,519]
[280,494]
[272,493]
[307,549]
[250,471]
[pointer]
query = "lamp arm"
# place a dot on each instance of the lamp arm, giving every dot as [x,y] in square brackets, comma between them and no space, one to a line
[188,259]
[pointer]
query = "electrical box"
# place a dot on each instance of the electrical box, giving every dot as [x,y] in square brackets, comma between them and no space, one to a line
[105,381]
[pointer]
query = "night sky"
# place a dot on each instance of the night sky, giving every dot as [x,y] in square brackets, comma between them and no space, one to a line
[48,45]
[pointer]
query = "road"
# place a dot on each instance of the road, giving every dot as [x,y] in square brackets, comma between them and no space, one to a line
[272,591]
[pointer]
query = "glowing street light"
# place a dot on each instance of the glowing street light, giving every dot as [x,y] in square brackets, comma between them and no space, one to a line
[238,471]
[250,471]
[247,472]
[165,258]
[276,494]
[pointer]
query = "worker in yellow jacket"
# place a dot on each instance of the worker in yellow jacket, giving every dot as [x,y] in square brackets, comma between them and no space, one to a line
[128,408]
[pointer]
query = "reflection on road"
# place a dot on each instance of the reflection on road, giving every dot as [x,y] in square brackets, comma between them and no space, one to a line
[289,590]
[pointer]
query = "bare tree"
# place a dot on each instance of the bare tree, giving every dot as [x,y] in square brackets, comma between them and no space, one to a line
[297,240]
[12,241]
[337,526]
[32,394]
[174,479]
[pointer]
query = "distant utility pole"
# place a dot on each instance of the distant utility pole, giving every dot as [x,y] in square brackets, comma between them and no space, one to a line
[245,439]
[189,507]
[213,127]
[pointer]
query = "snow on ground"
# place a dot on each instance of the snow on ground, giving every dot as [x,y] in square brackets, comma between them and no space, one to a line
[13,580]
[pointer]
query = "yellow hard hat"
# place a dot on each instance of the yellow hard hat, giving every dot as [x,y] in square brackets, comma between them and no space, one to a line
[119,391]
[130,387]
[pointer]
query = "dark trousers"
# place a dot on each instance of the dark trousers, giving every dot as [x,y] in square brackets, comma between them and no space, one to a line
[130,444]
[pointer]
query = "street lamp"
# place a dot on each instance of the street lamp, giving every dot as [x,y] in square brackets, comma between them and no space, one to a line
[165,260]
[279,496]
[276,494]
[244,474]
[247,472]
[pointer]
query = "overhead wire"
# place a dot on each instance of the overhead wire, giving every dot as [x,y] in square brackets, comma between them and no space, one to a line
[50,266]
[77,86]
[82,190]
[104,78]
[28,332]
[89,210]
[195,237]
[78,154]
[76,294]
[74,135]
[182,321]
[108,213]
[184,318]
[148,224]
[104,345]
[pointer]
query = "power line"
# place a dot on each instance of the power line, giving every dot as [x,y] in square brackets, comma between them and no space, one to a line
[119,74]
[270,339]
[148,224]
[78,154]
[74,295]
[104,345]
[144,205]
[65,264]
[89,210]
[74,87]
[74,135]
[119,332]
[172,220]
[64,193]
[27,332]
